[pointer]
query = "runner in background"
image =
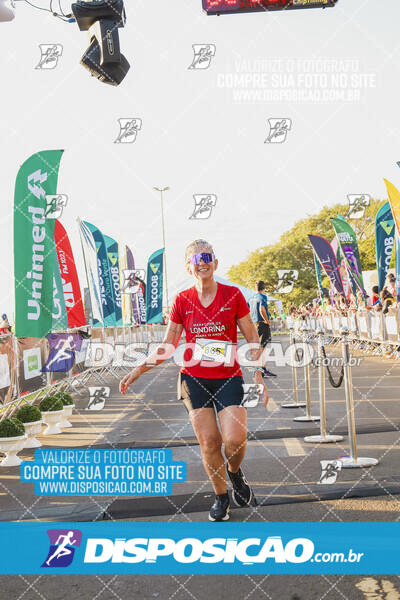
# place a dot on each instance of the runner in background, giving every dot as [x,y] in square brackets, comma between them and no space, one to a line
[211,382]
[260,316]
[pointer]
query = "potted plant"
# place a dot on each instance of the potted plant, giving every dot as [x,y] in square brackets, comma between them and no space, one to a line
[31,417]
[52,410]
[69,406]
[12,440]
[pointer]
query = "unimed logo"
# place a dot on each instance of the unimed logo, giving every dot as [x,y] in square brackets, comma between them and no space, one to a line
[191,550]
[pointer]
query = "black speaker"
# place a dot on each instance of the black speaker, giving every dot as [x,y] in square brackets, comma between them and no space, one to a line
[103,58]
[112,73]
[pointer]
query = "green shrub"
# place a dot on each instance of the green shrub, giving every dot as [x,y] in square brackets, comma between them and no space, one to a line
[11,427]
[29,414]
[65,398]
[50,404]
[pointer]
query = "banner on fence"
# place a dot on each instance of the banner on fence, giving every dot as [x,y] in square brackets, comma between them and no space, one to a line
[7,369]
[31,358]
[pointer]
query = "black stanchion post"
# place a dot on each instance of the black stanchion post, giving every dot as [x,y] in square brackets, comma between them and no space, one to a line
[292,342]
[308,416]
[353,460]
[323,438]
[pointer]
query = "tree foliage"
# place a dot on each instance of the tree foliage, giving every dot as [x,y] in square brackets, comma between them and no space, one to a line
[293,251]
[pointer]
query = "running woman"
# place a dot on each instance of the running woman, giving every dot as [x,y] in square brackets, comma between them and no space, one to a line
[211,382]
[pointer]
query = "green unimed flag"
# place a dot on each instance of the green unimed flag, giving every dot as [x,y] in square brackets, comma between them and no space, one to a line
[34,248]
[348,245]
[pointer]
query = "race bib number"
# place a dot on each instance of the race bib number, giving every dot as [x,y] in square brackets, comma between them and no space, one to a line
[212,350]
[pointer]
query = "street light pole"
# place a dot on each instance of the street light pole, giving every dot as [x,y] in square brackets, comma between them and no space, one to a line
[161,190]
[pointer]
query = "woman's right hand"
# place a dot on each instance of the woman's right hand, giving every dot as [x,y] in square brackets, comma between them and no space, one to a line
[129,379]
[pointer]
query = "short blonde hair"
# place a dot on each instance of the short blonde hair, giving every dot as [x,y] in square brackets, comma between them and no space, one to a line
[194,246]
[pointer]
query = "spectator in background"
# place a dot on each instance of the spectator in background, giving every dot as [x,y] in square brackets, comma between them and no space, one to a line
[353,302]
[329,308]
[361,304]
[391,284]
[342,304]
[387,300]
[260,316]
[375,294]
[4,325]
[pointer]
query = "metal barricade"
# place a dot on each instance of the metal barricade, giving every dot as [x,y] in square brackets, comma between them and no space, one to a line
[363,325]
[296,403]
[8,375]
[323,437]
[376,327]
[392,330]
[352,461]
[307,383]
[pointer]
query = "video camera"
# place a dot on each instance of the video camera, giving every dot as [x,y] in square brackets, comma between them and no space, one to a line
[102,18]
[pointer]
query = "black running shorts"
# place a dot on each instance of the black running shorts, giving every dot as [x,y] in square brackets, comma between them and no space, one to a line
[197,392]
[264,333]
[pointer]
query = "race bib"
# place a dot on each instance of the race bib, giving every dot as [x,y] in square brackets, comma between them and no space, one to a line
[212,350]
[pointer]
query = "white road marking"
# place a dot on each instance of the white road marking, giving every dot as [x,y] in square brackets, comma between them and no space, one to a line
[271,406]
[294,447]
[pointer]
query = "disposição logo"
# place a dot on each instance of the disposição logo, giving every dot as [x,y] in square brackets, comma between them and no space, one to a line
[63,543]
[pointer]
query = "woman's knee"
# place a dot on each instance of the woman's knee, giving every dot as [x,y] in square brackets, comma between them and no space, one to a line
[236,441]
[210,443]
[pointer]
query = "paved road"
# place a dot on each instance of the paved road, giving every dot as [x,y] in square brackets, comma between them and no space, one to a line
[283,469]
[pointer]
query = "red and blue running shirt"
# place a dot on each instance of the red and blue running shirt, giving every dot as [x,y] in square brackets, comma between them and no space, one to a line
[212,329]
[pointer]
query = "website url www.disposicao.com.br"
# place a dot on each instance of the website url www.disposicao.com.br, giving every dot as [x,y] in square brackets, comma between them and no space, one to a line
[247,551]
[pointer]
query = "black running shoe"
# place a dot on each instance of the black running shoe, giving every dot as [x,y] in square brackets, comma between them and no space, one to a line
[242,494]
[267,373]
[220,509]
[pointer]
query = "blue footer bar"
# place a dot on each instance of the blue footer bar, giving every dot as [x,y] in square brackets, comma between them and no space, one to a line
[208,548]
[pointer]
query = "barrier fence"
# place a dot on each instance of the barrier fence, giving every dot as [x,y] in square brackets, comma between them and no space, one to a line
[31,367]
[308,334]
[364,325]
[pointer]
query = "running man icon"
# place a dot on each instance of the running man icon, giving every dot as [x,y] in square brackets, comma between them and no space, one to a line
[62,547]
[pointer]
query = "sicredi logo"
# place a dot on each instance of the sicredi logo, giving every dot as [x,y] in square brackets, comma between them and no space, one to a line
[191,550]
[63,543]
